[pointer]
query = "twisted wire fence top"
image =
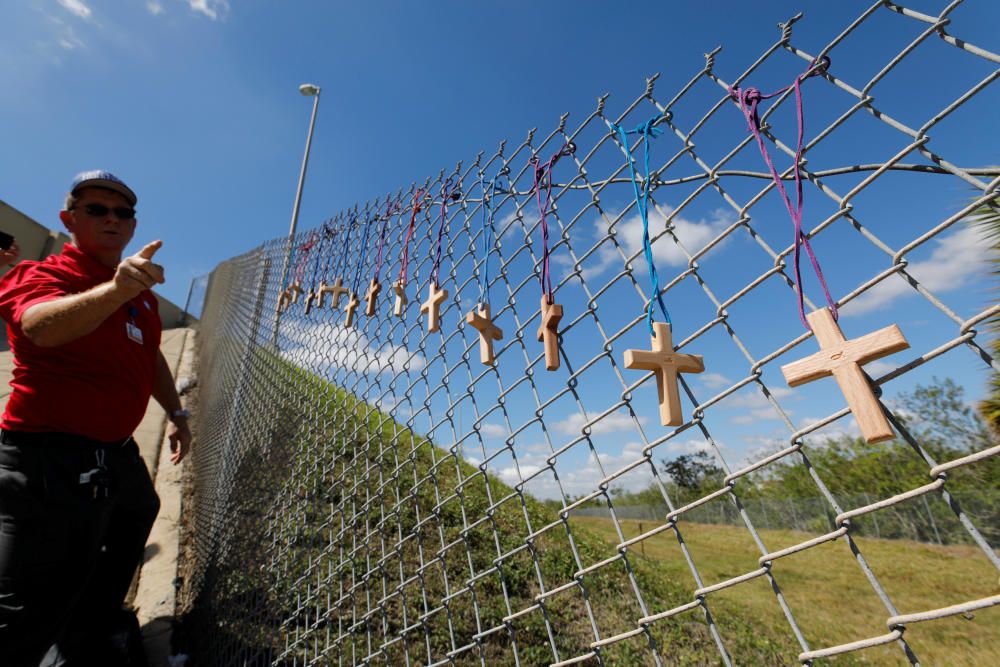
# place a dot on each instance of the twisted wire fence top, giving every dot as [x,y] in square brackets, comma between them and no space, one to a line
[374,494]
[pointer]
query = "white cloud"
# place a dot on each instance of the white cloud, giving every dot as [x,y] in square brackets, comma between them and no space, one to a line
[758,415]
[76,7]
[632,451]
[689,446]
[70,41]
[154,7]
[714,380]
[666,252]
[617,421]
[510,476]
[210,8]
[692,234]
[583,477]
[508,229]
[63,35]
[879,367]
[955,261]
[391,407]
[493,430]
[346,349]
[755,399]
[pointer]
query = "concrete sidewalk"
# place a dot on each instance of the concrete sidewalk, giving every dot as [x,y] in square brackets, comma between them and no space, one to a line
[155,596]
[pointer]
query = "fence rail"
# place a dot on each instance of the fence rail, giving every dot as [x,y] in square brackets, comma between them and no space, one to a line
[370,492]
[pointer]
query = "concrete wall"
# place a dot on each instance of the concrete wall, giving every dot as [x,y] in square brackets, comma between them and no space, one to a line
[38,242]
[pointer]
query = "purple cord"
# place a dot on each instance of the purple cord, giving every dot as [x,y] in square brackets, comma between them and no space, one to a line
[390,209]
[749,99]
[447,193]
[543,178]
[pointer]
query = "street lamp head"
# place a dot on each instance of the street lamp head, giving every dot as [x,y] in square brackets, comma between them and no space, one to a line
[309,89]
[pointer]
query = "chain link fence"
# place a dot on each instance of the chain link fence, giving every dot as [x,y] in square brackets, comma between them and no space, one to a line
[375,494]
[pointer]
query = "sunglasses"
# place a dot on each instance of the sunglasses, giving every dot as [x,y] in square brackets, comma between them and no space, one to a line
[100,211]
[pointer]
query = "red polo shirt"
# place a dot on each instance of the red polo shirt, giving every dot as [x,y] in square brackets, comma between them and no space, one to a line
[96,386]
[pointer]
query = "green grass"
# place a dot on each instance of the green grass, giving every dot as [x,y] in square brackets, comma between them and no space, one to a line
[327,486]
[829,595]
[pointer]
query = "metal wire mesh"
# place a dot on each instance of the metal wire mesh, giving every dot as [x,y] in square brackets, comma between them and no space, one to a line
[375,494]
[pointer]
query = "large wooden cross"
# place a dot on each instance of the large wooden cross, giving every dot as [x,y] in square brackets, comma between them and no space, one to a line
[666,364]
[373,290]
[435,297]
[548,332]
[350,308]
[399,288]
[843,359]
[336,289]
[480,320]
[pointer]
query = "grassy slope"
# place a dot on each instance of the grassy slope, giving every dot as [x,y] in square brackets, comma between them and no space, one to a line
[830,597]
[331,485]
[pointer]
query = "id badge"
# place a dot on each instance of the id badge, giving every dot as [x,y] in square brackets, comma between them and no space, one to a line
[134,332]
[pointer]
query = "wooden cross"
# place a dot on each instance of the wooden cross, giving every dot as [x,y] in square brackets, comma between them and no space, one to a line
[488,332]
[352,305]
[311,296]
[666,364]
[295,289]
[843,359]
[336,289]
[548,333]
[399,287]
[284,300]
[373,289]
[435,297]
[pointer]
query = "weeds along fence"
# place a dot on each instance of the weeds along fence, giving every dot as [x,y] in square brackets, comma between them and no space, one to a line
[373,493]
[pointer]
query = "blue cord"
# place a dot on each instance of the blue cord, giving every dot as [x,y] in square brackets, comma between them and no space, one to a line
[642,203]
[342,261]
[489,234]
[361,256]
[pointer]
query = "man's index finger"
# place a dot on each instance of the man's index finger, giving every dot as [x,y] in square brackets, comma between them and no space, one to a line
[149,249]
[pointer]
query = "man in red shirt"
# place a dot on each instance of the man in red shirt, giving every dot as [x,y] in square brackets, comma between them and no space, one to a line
[76,501]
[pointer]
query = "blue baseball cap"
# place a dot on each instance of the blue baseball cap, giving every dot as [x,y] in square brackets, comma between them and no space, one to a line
[98,178]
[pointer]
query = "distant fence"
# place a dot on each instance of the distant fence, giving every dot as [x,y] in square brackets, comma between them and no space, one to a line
[813,515]
[369,492]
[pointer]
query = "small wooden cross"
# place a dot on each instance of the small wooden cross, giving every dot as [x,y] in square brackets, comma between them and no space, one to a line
[373,289]
[284,300]
[311,296]
[435,297]
[295,289]
[488,332]
[843,359]
[336,289]
[666,364]
[352,305]
[548,332]
[399,287]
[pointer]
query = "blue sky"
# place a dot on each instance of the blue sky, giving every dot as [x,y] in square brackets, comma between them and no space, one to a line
[195,104]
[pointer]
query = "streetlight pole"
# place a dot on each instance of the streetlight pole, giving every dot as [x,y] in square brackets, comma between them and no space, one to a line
[309,90]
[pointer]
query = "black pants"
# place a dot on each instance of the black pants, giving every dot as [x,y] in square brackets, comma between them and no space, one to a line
[67,558]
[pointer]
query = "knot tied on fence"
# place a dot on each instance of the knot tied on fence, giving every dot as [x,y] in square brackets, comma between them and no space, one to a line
[748,100]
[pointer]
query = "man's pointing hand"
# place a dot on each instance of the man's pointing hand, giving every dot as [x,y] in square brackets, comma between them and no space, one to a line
[138,272]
